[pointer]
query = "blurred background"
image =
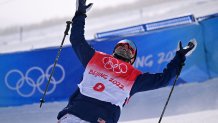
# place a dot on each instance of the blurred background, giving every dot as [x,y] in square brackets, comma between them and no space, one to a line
[31,32]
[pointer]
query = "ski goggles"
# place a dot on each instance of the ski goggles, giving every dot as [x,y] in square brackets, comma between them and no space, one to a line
[125,50]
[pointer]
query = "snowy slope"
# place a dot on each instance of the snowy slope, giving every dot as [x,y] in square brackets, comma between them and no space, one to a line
[197,117]
[52,35]
[190,103]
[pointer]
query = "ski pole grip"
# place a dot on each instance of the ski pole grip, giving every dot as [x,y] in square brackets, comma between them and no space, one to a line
[67,27]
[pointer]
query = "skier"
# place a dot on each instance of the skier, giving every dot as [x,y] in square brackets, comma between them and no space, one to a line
[110,80]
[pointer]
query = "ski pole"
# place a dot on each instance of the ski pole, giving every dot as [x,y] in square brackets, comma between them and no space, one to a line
[42,100]
[174,83]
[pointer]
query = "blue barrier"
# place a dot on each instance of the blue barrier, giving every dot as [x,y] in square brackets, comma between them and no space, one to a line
[210,30]
[121,32]
[25,74]
[147,27]
[170,22]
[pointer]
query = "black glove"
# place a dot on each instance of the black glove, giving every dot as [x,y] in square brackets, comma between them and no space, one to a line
[81,6]
[186,51]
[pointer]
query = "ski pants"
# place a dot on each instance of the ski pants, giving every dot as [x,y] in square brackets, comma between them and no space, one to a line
[69,118]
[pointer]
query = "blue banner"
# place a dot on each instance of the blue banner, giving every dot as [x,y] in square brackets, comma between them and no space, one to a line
[157,48]
[24,76]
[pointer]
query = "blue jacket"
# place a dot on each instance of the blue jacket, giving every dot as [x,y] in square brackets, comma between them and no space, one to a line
[91,109]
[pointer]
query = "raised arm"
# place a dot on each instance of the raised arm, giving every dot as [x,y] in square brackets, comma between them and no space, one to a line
[82,49]
[147,81]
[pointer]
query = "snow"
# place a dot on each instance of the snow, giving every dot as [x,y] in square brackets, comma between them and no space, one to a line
[198,117]
[52,35]
[187,98]
[190,103]
[40,10]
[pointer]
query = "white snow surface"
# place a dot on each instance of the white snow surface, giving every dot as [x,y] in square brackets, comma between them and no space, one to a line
[48,36]
[190,103]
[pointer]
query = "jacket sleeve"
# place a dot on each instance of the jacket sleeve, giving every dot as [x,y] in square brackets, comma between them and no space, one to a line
[147,81]
[82,49]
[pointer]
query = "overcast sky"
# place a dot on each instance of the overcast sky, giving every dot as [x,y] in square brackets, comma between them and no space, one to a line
[24,12]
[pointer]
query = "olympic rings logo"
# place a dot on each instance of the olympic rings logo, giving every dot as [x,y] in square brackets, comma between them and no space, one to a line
[25,80]
[114,65]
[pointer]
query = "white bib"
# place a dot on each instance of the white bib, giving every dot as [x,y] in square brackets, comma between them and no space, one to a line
[108,79]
